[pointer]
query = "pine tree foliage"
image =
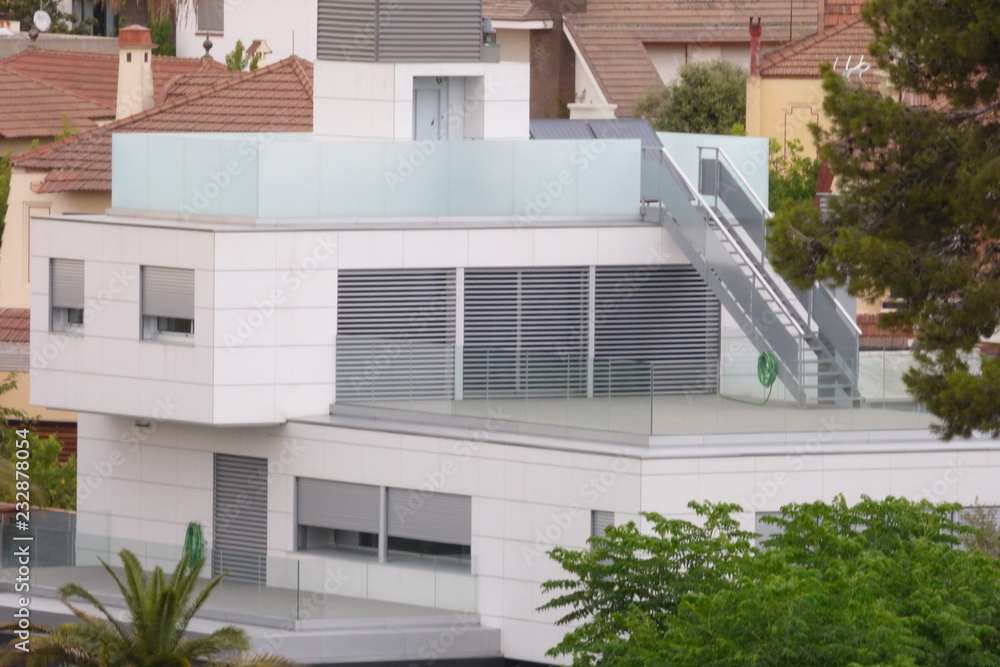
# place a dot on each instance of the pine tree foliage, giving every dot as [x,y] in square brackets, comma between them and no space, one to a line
[919,206]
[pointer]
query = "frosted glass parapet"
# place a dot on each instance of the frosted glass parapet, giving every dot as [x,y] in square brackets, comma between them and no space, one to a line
[294,176]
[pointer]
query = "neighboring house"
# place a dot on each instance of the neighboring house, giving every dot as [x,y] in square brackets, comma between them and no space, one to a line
[785,95]
[387,376]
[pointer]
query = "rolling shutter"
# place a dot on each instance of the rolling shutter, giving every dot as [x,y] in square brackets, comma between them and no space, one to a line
[599,522]
[430,31]
[655,326]
[395,335]
[526,332]
[337,505]
[345,30]
[433,517]
[66,286]
[239,518]
[168,292]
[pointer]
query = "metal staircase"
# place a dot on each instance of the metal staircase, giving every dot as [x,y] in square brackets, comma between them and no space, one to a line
[720,228]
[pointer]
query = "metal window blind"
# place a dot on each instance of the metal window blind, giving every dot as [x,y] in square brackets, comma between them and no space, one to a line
[345,30]
[526,332]
[66,283]
[430,30]
[168,292]
[338,505]
[239,518]
[666,319]
[437,517]
[765,530]
[599,521]
[395,334]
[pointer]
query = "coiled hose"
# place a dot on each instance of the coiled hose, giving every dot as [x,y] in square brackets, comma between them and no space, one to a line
[767,374]
[193,544]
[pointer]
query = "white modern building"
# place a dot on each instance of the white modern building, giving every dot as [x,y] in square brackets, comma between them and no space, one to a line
[395,362]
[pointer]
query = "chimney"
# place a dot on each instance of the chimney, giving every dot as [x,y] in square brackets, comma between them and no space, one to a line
[135,71]
[756,30]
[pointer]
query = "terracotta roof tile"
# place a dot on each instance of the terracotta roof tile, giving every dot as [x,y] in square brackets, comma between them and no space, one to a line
[612,34]
[803,57]
[32,109]
[514,10]
[94,76]
[278,98]
[15,325]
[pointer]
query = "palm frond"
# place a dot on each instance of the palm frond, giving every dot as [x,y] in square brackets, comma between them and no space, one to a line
[253,660]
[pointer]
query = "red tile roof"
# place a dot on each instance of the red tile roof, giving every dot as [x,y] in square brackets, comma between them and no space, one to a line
[514,10]
[803,57]
[32,109]
[15,325]
[94,76]
[611,35]
[278,98]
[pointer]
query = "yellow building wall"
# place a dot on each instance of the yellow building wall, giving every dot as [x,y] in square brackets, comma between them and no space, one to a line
[17,146]
[783,109]
[15,290]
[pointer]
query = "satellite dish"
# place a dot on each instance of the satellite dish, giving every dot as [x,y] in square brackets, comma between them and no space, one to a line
[42,20]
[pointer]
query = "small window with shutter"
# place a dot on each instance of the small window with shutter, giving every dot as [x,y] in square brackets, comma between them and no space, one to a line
[167,303]
[66,295]
[600,521]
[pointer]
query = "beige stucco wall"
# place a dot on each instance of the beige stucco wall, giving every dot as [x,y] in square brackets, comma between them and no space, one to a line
[783,109]
[515,45]
[18,399]
[17,146]
[15,290]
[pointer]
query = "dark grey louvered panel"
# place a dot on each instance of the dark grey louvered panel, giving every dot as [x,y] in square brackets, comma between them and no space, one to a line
[239,518]
[434,517]
[211,15]
[168,292]
[337,505]
[395,335]
[599,522]
[765,530]
[655,327]
[525,332]
[345,30]
[430,31]
[66,283]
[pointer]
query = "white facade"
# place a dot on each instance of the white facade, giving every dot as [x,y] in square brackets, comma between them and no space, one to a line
[289,29]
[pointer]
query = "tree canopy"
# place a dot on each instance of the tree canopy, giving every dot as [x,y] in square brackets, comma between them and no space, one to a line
[918,211]
[877,583]
[709,98]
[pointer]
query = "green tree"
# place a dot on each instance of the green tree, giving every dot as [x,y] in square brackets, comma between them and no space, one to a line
[709,98]
[791,176]
[5,173]
[917,214]
[985,521]
[51,483]
[238,60]
[876,583]
[159,611]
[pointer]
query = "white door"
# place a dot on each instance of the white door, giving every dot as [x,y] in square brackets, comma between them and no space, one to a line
[430,105]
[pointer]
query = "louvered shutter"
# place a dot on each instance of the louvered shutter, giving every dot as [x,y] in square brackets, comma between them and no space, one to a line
[395,335]
[168,292]
[599,522]
[655,327]
[526,332]
[337,505]
[66,283]
[239,518]
[765,530]
[345,30]
[433,517]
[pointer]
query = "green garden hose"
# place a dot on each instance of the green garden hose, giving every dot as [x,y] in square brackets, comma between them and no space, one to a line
[193,544]
[767,373]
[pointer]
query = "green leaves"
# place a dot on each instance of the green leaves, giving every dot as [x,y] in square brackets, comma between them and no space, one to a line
[709,98]
[876,583]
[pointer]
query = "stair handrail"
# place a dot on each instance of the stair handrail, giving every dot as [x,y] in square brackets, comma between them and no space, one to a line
[768,214]
[732,240]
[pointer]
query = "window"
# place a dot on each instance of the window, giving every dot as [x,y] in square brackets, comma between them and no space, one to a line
[600,521]
[210,15]
[387,523]
[66,290]
[167,303]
